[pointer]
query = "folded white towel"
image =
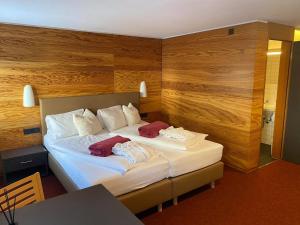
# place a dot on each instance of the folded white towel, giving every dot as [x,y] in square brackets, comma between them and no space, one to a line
[134,152]
[179,134]
[188,138]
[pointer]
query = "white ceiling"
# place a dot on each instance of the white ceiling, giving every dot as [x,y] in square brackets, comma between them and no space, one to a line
[147,18]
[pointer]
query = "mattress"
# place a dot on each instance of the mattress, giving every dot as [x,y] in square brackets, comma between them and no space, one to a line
[78,146]
[159,141]
[180,162]
[85,173]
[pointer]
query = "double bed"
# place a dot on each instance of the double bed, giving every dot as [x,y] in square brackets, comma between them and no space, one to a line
[138,186]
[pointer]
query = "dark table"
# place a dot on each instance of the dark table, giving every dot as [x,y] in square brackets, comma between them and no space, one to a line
[91,206]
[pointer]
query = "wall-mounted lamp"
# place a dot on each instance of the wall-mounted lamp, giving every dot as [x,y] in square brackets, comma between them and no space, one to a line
[273,53]
[143,89]
[28,96]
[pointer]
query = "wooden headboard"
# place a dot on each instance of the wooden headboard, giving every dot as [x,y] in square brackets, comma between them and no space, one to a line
[50,106]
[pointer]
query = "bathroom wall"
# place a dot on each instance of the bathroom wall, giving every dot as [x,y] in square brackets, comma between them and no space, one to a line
[297,35]
[271,84]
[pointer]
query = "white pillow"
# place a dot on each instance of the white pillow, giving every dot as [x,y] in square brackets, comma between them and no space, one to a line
[132,115]
[113,117]
[61,125]
[87,124]
[100,119]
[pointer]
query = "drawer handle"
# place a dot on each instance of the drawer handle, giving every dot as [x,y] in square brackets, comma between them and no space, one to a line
[25,162]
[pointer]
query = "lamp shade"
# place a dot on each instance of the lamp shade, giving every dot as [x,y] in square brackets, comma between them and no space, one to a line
[143,89]
[28,96]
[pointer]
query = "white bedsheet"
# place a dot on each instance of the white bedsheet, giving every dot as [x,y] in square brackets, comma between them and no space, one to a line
[180,162]
[78,146]
[159,141]
[86,170]
[85,173]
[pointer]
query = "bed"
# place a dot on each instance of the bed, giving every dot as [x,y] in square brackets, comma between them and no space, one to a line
[141,187]
[86,170]
[183,165]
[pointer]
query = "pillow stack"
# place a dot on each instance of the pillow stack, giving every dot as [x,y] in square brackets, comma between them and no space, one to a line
[61,125]
[83,122]
[87,124]
[132,115]
[117,117]
[113,117]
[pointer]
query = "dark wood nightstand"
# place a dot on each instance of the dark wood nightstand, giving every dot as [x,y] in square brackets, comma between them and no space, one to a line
[153,116]
[19,163]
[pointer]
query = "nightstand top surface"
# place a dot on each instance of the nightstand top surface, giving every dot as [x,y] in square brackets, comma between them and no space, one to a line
[13,153]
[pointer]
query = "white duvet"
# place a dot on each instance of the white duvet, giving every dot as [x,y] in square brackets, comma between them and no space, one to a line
[180,162]
[84,174]
[160,141]
[79,146]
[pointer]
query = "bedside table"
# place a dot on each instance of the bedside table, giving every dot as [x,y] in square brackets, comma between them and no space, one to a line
[19,163]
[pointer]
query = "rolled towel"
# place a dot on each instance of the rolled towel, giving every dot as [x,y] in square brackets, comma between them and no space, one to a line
[176,133]
[152,130]
[188,138]
[104,148]
[134,152]
[179,134]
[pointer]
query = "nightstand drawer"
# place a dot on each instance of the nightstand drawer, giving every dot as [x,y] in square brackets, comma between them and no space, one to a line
[24,162]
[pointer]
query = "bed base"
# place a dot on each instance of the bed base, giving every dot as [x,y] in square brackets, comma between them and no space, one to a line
[175,198]
[137,201]
[187,182]
[150,196]
[154,194]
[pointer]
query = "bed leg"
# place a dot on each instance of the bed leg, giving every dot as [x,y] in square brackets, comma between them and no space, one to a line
[159,207]
[212,184]
[175,201]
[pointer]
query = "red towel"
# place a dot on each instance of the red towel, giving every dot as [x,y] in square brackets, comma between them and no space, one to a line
[152,130]
[104,148]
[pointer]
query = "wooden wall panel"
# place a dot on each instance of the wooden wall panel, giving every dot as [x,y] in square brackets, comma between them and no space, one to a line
[67,63]
[281,32]
[137,60]
[213,82]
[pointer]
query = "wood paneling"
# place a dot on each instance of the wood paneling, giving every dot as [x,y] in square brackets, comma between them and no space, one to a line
[213,82]
[139,59]
[281,32]
[67,63]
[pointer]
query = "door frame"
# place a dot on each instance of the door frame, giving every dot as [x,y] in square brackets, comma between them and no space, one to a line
[281,100]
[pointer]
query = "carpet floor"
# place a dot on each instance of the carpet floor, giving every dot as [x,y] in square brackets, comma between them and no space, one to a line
[52,187]
[267,196]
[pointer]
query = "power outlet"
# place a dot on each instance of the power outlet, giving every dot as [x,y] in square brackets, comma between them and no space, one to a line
[230,31]
[33,130]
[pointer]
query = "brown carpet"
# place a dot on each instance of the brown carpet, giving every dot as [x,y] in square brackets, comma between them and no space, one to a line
[268,196]
[52,187]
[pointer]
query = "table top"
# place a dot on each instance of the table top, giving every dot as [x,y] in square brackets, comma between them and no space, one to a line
[8,154]
[91,206]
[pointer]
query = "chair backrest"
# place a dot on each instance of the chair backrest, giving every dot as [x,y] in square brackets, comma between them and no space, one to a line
[27,191]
